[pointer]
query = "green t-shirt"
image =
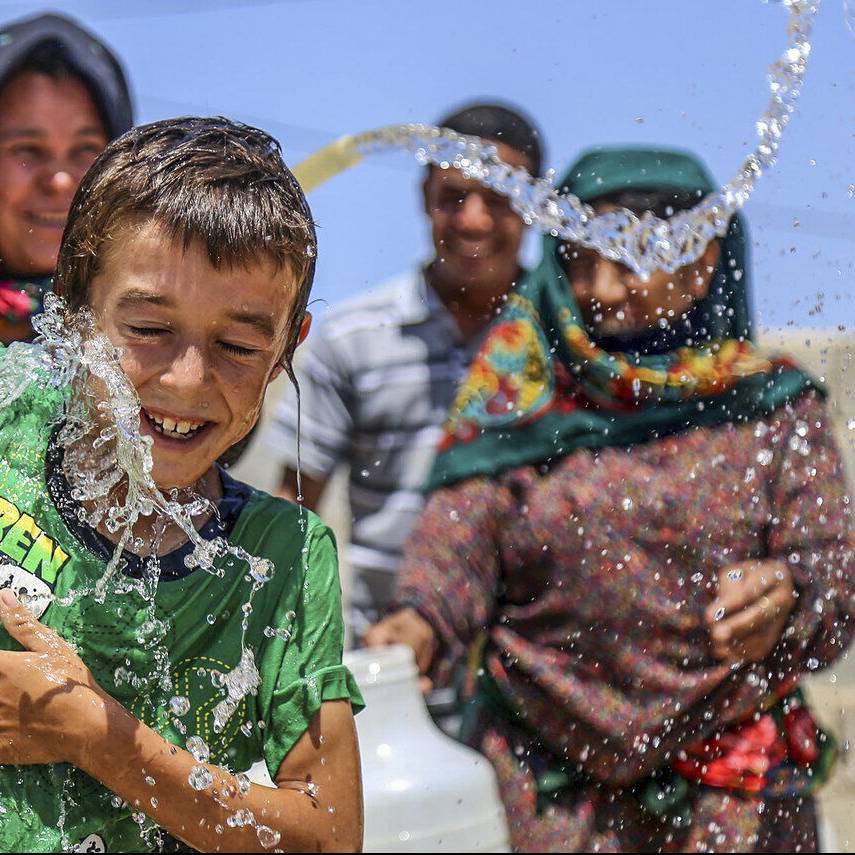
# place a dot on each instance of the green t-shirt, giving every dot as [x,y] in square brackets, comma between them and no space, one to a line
[294,630]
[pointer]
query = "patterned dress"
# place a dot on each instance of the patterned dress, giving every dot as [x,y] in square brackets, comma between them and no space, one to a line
[587,582]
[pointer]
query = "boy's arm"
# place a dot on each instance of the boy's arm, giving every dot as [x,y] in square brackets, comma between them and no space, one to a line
[52,711]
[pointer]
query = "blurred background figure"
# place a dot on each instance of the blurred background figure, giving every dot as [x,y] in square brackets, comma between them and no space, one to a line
[378,375]
[639,535]
[63,96]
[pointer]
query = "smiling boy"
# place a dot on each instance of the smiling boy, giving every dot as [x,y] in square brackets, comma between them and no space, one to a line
[193,248]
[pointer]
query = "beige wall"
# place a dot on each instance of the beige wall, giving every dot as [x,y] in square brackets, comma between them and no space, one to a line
[828,355]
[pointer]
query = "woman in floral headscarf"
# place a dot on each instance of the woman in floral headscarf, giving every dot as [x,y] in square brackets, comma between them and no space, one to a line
[639,532]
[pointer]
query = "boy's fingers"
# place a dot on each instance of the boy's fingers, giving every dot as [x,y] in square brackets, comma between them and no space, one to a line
[19,622]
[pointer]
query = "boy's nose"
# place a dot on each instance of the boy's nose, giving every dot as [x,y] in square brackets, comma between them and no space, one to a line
[189,369]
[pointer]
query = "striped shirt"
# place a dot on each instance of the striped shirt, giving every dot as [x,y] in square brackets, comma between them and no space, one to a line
[377,379]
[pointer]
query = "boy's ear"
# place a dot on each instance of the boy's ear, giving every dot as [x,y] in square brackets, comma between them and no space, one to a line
[305,326]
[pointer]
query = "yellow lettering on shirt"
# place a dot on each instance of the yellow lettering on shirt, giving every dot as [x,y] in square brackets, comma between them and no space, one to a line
[20,538]
[26,543]
[45,559]
[9,514]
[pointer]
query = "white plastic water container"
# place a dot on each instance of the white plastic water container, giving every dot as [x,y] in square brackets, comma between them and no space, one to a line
[424,792]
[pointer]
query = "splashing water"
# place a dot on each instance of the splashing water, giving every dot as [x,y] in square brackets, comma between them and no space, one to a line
[108,465]
[239,682]
[645,243]
[115,485]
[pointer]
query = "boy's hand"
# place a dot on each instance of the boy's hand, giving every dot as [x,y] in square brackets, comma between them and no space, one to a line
[746,619]
[406,626]
[44,692]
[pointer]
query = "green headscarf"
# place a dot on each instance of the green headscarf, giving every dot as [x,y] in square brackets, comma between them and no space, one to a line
[540,389]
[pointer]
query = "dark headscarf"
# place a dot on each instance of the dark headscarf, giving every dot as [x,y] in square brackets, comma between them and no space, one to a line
[89,58]
[540,388]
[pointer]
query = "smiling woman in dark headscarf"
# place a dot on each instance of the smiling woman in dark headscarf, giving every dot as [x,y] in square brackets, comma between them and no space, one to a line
[639,531]
[63,96]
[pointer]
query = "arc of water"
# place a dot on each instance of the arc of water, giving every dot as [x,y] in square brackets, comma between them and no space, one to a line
[645,243]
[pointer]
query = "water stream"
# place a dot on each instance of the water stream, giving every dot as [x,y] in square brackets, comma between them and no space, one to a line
[645,243]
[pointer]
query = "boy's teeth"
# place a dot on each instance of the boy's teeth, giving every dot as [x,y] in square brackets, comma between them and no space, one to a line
[182,428]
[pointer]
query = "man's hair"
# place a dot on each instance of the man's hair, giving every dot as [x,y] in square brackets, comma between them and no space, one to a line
[499,123]
[207,179]
[663,203]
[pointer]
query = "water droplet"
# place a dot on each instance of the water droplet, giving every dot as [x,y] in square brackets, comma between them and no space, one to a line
[199,749]
[200,778]
[267,837]
[179,705]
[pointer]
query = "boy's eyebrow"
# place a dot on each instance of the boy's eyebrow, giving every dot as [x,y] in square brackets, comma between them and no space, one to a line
[139,296]
[263,323]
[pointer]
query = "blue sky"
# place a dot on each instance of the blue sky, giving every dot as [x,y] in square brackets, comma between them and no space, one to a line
[679,72]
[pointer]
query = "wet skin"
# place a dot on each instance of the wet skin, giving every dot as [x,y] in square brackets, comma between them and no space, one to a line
[50,133]
[200,345]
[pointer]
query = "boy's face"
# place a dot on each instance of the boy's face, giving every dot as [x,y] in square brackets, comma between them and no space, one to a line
[199,345]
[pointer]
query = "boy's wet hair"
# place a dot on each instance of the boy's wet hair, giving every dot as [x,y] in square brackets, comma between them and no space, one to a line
[211,180]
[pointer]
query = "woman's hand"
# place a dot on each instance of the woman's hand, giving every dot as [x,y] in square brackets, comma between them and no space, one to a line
[749,614]
[45,691]
[406,626]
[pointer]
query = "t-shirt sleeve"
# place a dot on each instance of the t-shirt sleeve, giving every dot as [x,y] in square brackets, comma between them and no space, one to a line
[311,671]
[326,422]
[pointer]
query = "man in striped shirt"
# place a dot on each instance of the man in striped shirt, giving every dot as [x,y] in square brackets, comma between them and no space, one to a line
[378,376]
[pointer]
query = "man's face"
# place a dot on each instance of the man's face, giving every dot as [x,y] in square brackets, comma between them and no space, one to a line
[50,133]
[199,345]
[614,300]
[476,235]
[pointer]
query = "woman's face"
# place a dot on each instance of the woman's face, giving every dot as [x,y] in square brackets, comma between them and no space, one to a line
[614,300]
[199,344]
[50,133]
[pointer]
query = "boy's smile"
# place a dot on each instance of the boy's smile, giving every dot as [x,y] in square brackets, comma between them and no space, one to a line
[199,344]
